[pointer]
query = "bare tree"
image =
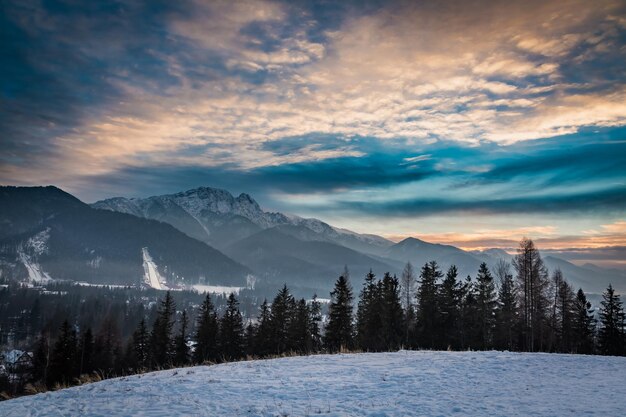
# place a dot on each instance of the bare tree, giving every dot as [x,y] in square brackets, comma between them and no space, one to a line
[532,277]
[407,284]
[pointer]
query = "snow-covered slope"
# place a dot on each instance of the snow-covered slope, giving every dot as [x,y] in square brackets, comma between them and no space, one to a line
[375,384]
[219,218]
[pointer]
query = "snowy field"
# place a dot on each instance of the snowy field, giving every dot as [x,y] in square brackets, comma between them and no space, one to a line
[382,384]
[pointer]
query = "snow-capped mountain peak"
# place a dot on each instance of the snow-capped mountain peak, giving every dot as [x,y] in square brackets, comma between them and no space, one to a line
[213,208]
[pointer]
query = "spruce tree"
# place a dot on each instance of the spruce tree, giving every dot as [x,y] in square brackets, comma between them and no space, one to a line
[141,346]
[298,331]
[281,313]
[232,331]
[207,328]
[428,317]
[181,349]
[611,333]
[41,358]
[584,324]
[449,304]
[392,315]
[506,313]
[339,331]
[263,344]
[85,352]
[485,304]
[315,324]
[63,358]
[469,319]
[369,315]
[562,314]
[107,347]
[161,341]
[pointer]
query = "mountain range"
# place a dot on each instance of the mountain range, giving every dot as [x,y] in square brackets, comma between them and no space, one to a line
[209,237]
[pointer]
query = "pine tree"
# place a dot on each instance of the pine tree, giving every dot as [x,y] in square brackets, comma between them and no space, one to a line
[611,334]
[486,305]
[41,358]
[369,315]
[85,351]
[263,344]
[231,330]
[281,313]
[392,315]
[562,313]
[161,341]
[428,320]
[449,304]
[181,350]
[584,324]
[107,347]
[207,329]
[63,358]
[506,310]
[469,320]
[339,331]
[315,324]
[250,339]
[141,346]
[298,331]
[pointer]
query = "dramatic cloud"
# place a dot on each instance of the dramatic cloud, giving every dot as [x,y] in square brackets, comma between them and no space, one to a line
[353,111]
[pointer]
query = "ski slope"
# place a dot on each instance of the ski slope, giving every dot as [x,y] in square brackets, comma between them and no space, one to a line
[376,385]
[151,274]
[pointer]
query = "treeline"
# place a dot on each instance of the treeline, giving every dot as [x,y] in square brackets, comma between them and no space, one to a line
[517,306]
[290,325]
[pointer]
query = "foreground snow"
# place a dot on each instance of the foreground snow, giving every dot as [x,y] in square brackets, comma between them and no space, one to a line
[381,384]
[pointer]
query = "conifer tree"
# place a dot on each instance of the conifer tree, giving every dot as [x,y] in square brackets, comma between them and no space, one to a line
[315,324]
[281,314]
[449,300]
[428,319]
[584,324]
[250,339]
[339,331]
[469,320]
[562,313]
[369,315]
[232,331]
[207,328]
[263,344]
[392,315]
[63,356]
[181,349]
[41,358]
[485,304]
[298,331]
[141,346]
[107,347]
[506,310]
[85,352]
[161,341]
[611,333]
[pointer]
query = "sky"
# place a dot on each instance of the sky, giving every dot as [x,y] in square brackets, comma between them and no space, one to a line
[473,123]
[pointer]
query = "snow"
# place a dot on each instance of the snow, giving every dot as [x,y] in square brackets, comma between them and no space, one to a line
[216,289]
[377,384]
[35,246]
[35,273]
[151,273]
